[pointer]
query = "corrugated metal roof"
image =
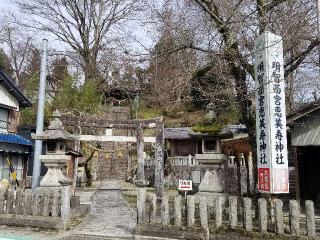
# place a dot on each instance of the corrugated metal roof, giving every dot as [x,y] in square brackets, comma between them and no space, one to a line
[303,111]
[13,138]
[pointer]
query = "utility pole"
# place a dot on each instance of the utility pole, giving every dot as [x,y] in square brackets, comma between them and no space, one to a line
[40,117]
[318,27]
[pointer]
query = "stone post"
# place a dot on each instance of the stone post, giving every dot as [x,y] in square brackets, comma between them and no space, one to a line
[311,227]
[2,197]
[263,215]
[154,208]
[140,155]
[278,204]
[10,199]
[218,211]
[55,203]
[27,202]
[203,208]
[19,200]
[190,210]
[36,204]
[159,174]
[233,211]
[294,217]
[247,214]
[46,199]
[177,210]
[141,202]
[65,202]
[165,219]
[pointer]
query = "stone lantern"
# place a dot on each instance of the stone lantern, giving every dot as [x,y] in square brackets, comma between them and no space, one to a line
[55,139]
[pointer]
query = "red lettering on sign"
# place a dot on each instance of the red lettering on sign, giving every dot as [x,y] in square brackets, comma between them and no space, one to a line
[264,179]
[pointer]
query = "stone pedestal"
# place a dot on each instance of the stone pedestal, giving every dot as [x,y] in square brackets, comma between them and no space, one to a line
[54,175]
[212,181]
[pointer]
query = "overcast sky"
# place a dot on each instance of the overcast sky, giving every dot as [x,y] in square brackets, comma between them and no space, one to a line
[6,5]
[136,32]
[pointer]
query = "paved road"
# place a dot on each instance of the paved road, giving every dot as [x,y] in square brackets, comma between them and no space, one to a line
[111,217]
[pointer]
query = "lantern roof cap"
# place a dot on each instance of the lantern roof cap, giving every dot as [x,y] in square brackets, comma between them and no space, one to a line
[55,130]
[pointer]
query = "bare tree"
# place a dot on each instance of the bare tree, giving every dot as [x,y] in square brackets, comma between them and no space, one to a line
[18,47]
[87,26]
[227,29]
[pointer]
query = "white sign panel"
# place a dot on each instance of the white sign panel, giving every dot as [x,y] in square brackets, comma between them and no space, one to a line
[185,185]
[270,114]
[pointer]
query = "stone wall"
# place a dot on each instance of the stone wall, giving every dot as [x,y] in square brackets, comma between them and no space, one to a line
[228,213]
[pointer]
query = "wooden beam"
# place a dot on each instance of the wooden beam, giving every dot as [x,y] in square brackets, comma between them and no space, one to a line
[114,138]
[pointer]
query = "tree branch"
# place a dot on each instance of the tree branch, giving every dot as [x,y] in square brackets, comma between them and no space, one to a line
[297,60]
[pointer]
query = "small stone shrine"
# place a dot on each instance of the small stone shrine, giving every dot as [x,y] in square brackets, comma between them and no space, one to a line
[55,139]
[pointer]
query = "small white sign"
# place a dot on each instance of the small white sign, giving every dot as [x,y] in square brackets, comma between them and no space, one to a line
[185,185]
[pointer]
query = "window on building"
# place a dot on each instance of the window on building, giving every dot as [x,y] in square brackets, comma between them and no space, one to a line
[209,145]
[17,162]
[4,118]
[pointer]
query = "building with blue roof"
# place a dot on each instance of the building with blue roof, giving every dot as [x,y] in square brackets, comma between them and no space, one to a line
[14,149]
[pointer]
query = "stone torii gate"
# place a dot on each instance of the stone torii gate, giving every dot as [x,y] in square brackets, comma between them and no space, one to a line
[138,125]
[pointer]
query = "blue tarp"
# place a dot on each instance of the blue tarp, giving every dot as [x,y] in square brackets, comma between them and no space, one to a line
[14,138]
